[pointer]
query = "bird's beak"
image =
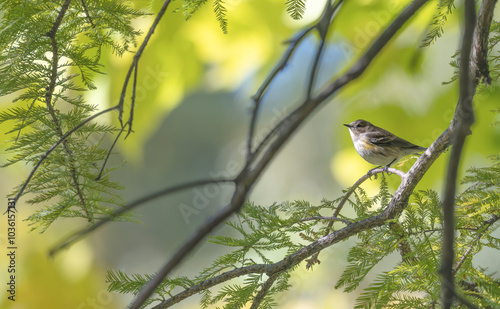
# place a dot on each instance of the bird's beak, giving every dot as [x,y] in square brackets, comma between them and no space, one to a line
[347,125]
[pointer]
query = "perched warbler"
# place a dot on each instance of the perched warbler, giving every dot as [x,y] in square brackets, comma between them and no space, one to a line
[378,146]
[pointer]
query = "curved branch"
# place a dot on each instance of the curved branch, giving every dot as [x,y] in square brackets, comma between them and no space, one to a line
[109,152]
[322,27]
[479,55]
[138,55]
[257,97]
[49,151]
[487,225]
[373,172]
[75,237]
[263,291]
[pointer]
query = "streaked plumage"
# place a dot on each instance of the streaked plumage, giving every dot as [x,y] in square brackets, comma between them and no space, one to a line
[379,146]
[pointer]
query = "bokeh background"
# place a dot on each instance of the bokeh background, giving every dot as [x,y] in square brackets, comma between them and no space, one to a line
[192,116]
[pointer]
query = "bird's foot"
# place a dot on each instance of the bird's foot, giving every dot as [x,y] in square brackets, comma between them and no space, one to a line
[370,173]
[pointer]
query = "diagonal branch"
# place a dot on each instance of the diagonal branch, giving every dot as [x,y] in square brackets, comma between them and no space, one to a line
[170,190]
[263,291]
[487,224]
[49,151]
[247,177]
[51,34]
[257,97]
[314,259]
[138,55]
[321,26]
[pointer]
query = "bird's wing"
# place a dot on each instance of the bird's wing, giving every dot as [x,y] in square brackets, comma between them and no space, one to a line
[385,137]
[380,137]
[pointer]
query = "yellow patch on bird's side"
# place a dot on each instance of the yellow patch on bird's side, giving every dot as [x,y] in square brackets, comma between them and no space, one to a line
[347,167]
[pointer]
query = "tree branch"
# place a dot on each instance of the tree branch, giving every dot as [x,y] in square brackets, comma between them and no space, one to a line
[314,259]
[463,119]
[487,224]
[322,27]
[479,55]
[84,5]
[257,97]
[263,291]
[138,55]
[81,233]
[49,151]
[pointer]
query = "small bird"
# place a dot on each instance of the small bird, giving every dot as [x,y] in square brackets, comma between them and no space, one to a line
[378,146]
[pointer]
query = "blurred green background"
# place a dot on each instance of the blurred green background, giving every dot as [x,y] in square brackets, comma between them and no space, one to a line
[191,121]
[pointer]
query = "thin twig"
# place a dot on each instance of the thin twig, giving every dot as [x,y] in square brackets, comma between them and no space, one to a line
[24,118]
[132,103]
[49,151]
[322,26]
[78,235]
[51,34]
[317,218]
[485,227]
[109,153]
[403,244]
[314,69]
[263,291]
[257,98]
[464,118]
[314,259]
[138,55]
[84,5]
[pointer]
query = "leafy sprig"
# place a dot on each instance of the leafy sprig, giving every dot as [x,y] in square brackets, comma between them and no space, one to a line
[50,53]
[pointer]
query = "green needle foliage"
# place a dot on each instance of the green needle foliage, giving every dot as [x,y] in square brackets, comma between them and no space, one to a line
[436,27]
[47,73]
[296,8]
[220,13]
[266,235]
